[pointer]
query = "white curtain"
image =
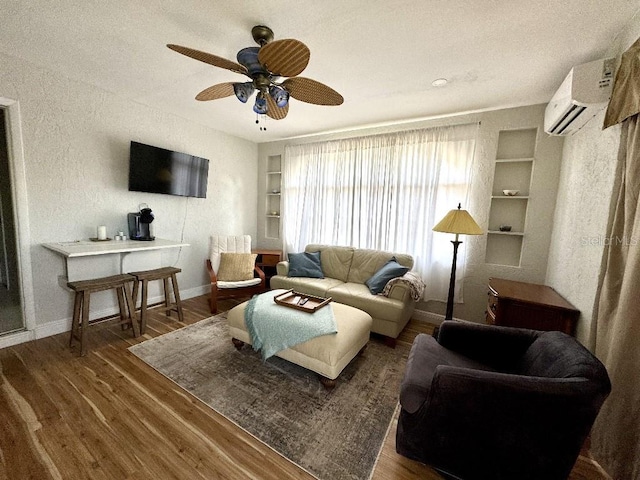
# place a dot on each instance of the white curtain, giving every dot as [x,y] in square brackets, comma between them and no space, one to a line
[382,192]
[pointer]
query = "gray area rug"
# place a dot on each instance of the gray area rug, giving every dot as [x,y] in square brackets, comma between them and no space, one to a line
[333,435]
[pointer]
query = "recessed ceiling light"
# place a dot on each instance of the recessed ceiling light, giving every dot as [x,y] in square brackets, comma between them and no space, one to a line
[439,82]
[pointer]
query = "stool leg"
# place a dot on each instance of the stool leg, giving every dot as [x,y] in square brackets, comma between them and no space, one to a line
[75,323]
[132,310]
[176,294]
[143,307]
[136,286]
[84,322]
[121,306]
[167,296]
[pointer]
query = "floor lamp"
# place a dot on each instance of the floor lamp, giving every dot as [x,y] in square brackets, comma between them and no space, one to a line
[461,223]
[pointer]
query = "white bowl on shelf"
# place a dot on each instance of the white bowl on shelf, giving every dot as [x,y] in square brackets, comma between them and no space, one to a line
[510,193]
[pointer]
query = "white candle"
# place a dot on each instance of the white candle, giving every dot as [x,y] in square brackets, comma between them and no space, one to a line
[102,232]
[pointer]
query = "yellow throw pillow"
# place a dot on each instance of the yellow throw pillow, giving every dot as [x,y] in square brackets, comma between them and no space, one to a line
[235,267]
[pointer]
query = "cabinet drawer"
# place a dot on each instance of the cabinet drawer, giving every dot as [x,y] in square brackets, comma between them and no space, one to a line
[269,260]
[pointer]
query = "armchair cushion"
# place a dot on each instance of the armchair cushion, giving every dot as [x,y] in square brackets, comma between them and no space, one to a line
[235,267]
[305,264]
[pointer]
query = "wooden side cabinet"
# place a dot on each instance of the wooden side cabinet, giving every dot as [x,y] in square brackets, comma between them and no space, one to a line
[528,305]
[267,261]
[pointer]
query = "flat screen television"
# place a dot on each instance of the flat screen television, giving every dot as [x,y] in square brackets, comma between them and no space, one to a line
[156,170]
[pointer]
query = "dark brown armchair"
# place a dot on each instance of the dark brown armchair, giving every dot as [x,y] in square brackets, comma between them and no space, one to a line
[487,402]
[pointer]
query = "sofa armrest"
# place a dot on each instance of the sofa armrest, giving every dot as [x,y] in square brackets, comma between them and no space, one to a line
[497,347]
[400,291]
[282,268]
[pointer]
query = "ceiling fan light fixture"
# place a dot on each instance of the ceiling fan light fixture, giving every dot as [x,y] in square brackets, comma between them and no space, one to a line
[260,107]
[243,91]
[280,95]
[248,57]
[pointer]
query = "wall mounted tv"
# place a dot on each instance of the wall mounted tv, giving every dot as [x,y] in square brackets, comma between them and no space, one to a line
[156,170]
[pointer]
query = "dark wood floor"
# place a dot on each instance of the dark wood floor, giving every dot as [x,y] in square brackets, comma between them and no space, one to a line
[110,416]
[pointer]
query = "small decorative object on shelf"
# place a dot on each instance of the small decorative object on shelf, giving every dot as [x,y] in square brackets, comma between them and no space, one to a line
[275,191]
[510,193]
[505,228]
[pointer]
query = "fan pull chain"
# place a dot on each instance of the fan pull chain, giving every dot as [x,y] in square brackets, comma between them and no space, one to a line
[263,128]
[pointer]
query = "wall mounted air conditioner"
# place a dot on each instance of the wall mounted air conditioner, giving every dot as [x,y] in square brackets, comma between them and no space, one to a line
[583,93]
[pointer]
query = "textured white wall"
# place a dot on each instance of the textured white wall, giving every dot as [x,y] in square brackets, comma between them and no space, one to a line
[76,150]
[587,181]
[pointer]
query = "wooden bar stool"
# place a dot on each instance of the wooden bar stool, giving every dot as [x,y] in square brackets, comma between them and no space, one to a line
[164,274]
[83,290]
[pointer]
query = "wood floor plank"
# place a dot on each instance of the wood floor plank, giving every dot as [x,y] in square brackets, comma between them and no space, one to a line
[109,415]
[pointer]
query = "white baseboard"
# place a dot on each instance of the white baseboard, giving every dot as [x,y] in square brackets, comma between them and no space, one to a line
[429,317]
[64,325]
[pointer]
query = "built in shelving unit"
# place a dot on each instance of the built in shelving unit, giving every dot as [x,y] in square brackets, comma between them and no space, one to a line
[515,158]
[272,204]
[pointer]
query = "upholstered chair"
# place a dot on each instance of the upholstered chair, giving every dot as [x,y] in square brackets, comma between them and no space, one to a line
[487,402]
[232,269]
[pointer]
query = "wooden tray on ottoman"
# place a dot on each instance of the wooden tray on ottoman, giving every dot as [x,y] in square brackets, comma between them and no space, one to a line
[311,304]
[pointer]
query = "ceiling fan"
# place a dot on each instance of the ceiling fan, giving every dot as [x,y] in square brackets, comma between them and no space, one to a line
[265,65]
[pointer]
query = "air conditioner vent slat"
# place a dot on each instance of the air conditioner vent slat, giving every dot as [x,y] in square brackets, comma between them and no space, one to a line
[568,118]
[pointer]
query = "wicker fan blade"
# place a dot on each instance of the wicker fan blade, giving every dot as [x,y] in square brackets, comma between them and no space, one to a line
[219,90]
[284,58]
[310,91]
[210,59]
[275,112]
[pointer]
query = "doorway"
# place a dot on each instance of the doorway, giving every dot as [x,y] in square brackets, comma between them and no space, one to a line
[11,314]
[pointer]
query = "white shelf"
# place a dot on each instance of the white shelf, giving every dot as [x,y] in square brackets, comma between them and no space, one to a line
[512,171]
[499,232]
[513,160]
[274,173]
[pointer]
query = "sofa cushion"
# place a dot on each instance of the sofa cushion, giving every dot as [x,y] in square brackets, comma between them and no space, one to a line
[358,295]
[336,261]
[312,286]
[305,264]
[236,267]
[366,263]
[391,269]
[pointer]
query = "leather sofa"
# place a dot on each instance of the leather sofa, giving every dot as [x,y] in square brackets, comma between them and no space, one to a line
[346,269]
[488,402]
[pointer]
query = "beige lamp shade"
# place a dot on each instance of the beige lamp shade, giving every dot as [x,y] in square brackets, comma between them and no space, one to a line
[458,221]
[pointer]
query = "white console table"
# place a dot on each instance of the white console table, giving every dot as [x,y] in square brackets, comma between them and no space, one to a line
[79,256]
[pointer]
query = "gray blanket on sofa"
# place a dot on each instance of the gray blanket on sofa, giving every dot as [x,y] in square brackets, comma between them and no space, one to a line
[273,328]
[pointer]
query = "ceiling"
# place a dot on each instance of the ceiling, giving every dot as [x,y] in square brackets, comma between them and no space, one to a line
[380,55]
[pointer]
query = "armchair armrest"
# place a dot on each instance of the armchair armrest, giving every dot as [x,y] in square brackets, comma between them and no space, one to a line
[497,347]
[536,405]
[282,268]
[260,273]
[212,275]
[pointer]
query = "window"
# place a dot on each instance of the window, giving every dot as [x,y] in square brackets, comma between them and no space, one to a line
[382,192]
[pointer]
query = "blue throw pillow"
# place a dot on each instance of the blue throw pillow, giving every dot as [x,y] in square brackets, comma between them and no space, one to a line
[305,264]
[389,270]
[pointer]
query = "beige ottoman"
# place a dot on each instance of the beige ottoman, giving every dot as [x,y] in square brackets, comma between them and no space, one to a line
[326,355]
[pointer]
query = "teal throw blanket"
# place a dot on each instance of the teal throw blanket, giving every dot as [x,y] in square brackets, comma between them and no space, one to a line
[273,327]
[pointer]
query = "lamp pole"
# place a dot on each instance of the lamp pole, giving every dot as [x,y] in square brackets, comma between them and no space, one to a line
[452,280]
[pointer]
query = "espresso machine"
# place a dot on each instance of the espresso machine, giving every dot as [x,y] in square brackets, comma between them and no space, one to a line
[140,224]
